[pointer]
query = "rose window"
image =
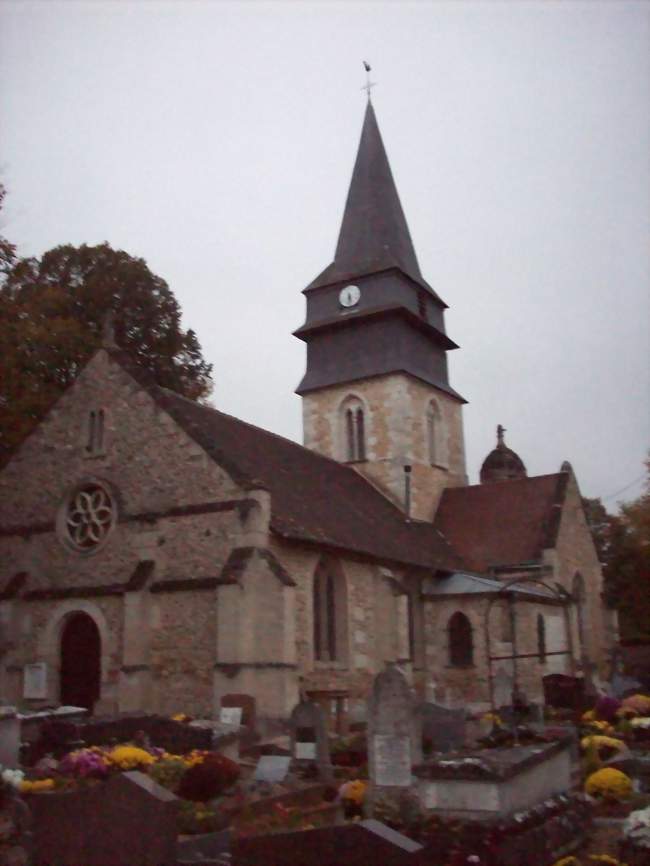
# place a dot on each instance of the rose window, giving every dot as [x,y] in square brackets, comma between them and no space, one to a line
[90,515]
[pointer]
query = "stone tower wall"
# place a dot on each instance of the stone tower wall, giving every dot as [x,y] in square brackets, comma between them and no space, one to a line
[396,434]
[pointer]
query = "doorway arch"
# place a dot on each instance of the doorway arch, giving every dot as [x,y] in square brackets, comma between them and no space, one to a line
[80,670]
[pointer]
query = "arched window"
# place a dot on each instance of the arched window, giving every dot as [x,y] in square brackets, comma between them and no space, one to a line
[354,430]
[461,642]
[329,612]
[541,638]
[95,430]
[436,438]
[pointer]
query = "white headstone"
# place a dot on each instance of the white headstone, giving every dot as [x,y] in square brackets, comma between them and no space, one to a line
[35,681]
[392,760]
[231,715]
[272,768]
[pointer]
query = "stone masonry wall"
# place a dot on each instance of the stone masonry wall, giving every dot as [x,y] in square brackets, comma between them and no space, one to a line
[182,652]
[375,625]
[150,466]
[469,686]
[396,434]
[575,552]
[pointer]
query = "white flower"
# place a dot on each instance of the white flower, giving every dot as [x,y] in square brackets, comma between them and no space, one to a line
[13,777]
[640,722]
[637,826]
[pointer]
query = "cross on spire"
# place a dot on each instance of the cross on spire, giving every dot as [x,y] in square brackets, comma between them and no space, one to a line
[369,84]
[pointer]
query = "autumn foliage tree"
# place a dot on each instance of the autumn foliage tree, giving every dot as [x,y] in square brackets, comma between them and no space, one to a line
[52,311]
[623,544]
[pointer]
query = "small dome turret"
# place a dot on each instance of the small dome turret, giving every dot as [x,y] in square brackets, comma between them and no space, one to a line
[502,464]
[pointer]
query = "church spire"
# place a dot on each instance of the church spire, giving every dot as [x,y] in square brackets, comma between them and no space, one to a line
[374,234]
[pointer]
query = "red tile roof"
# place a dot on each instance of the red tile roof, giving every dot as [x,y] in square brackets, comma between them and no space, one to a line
[504,522]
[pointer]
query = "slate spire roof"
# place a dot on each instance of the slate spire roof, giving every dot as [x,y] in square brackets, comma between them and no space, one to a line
[374,233]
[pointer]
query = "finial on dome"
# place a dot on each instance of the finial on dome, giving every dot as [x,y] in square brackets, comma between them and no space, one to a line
[108,331]
[502,463]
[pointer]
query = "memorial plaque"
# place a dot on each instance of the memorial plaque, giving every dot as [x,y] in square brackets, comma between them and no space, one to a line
[35,681]
[272,768]
[231,715]
[392,760]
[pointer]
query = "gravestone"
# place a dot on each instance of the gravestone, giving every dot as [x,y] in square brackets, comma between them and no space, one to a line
[231,715]
[443,730]
[394,730]
[35,681]
[309,740]
[502,683]
[272,768]
[128,819]
[355,844]
[621,686]
[248,708]
[563,691]
[9,737]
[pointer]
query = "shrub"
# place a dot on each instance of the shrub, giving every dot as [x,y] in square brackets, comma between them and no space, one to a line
[168,772]
[209,779]
[130,758]
[606,708]
[640,704]
[610,784]
[605,746]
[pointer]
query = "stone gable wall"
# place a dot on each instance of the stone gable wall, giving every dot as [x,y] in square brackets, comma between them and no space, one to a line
[575,552]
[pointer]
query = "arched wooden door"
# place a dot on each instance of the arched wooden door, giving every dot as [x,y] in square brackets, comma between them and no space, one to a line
[80,662]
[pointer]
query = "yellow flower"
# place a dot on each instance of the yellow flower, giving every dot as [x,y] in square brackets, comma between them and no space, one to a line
[588,716]
[605,858]
[609,783]
[355,791]
[130,757]
[36,787]
[180,717]
[567,861]
[492,717]
[601,742]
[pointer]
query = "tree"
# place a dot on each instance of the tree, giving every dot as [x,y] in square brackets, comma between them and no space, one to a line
[52,311]
[623,544]
[7,250]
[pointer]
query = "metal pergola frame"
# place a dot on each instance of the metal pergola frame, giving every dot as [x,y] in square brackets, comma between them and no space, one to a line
[557,594]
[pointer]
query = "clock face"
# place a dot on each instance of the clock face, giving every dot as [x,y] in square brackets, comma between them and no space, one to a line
[349,296]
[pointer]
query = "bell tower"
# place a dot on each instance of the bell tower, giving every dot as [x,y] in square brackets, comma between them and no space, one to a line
[376,391]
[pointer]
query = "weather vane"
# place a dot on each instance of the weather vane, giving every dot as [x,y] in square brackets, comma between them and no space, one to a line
[369,84]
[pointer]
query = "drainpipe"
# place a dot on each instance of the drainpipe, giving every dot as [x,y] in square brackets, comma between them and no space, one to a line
[407,491]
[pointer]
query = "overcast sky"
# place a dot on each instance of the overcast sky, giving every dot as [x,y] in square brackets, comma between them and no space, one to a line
[216,140]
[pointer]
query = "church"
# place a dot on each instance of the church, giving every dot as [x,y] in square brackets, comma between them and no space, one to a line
[157,554]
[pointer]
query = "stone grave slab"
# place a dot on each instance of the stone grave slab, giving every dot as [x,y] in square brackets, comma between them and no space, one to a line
[482,784]
[206,848]
[345,845]
[128,819]
[394,730]
[443,729]
[272,768]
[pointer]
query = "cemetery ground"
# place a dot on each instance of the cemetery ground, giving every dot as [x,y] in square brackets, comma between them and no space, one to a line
[419,783]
